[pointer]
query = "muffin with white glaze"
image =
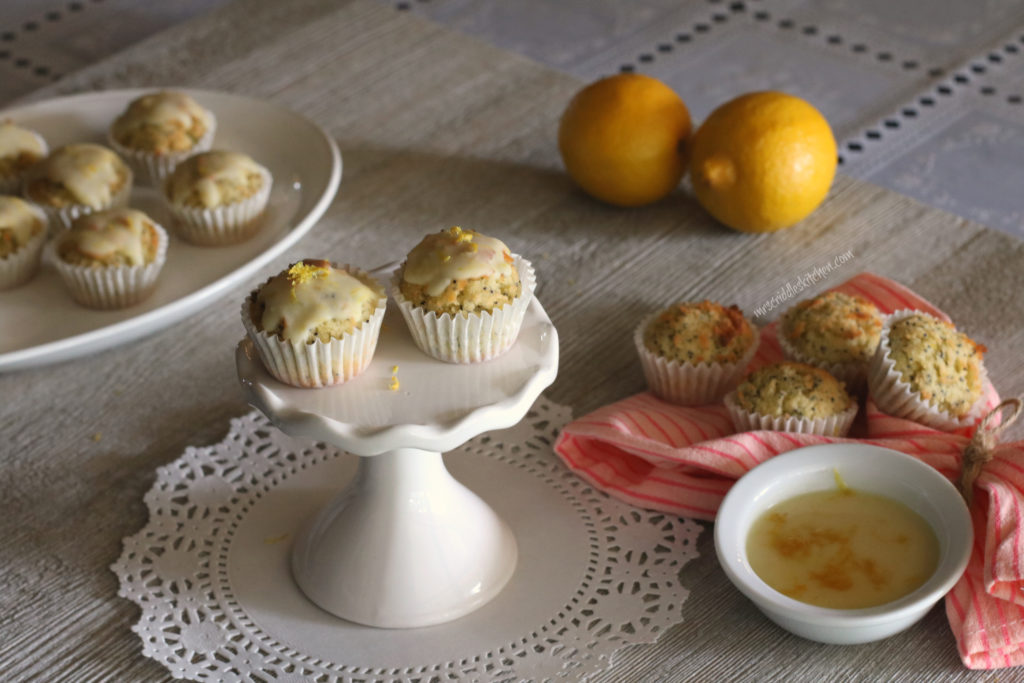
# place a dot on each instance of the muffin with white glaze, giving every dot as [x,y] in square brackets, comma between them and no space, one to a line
[159,130]
[78,179]
[692,353]
[792,397]
[217,197]
[834,331]
[22,237]
[315,324]
[20,149]
[111,258]
[463,295]
[927,371]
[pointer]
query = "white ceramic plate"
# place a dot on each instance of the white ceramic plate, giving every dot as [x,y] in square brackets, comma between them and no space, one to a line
[39,323]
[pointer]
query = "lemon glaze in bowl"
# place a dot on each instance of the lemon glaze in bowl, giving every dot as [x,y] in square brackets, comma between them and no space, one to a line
[865,468]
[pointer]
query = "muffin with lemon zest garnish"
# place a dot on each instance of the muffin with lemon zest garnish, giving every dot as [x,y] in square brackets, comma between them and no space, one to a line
[463,295]
[315,324]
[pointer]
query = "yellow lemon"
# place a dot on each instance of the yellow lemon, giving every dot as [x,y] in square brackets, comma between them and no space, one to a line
[763,161]
[622,139]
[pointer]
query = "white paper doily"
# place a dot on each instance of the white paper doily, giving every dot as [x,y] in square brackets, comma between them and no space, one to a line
[210,569]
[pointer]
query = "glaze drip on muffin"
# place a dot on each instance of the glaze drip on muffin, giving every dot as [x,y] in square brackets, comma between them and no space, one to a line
[700,332]
[81,173]
[938,362]
[460,271]
[161,123]
[18,224]
[19,148]
[790,389]
[116,237]
[216,178]
[313,300]
[833,328]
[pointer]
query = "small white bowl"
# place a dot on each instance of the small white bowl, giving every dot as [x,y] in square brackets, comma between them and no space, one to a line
[870,469]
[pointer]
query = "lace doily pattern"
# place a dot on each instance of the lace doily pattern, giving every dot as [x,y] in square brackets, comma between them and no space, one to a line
[177,568]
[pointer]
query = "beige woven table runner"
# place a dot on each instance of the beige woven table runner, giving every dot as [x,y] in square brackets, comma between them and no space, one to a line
[437,129]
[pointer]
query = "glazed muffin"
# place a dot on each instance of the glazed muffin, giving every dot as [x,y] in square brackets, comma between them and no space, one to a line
[20,148]
[792,397]
[927,371]
[22,236]
[315,324]
[834,331]
[112,258]
[692,353]
[159,130]
[76,180]
[463,295]
[217,197]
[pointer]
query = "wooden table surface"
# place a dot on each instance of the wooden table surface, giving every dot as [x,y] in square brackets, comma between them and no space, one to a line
[438,129]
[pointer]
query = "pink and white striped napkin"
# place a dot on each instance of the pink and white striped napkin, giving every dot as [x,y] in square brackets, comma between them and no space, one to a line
[684,459]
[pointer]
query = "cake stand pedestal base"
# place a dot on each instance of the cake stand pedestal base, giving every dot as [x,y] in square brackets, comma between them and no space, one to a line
[404,545]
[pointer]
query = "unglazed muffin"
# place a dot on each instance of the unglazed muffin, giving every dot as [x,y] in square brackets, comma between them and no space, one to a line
[834,331]
[463,295]
[111,258]
[78,179]
[315,324]
[20,148]
[927,371]
[792,397]
[159,130]
[217,197]
[22,236]
[694,352]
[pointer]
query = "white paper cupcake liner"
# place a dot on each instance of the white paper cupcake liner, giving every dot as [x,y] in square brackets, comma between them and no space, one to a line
[853,375]
[895,397]
[223,225]
[19,267]
[61,218]
[746,421]
[687,384]
[113,286]
[320,364]
[468,337]
[153,169]
[13,184]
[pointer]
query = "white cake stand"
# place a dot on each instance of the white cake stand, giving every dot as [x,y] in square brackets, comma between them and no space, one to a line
[404,544]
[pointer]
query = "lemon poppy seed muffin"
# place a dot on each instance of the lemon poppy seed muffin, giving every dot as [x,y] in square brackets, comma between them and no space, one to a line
[19,224]
[217,197]
[692,353]
[114,237]
[794,397]
[164,122]
[111,258]
[20,148]
[22,236]
[460,271]
[701,332]
[313,300]
[159,130]
[927,371]
[463,295]
[77,179]
[214,179]
[833,328]
[789,389]
[315,324]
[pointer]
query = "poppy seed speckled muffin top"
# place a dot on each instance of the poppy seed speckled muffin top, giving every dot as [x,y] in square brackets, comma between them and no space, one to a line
[790,389]
[701,332]
[833,328]
[938,362]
